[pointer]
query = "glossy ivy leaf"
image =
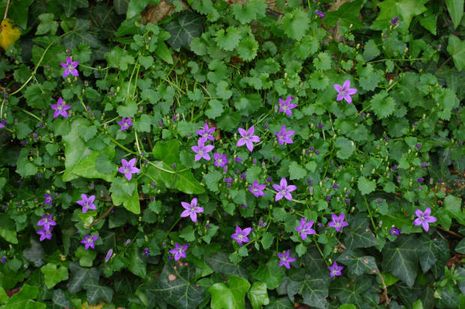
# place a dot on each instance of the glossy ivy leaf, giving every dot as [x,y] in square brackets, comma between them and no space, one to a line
[97,293]
[81,277]
[35,253]
[70,6]
[230,295]
[219,262]
[249,11]
[358,233]
[357,263]
[8,230]
[125,193]
[434,254]
[53,274]
[455,9]
[80,160]
[400,257]
[25,298]
[183,28]
[60,299]
[361,291]
[460,248]
[280,303]
[295,24]
[258,295]
[176,287]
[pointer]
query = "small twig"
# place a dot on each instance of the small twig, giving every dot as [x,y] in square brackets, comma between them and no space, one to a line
[450,232]
[103,216]
[5,15]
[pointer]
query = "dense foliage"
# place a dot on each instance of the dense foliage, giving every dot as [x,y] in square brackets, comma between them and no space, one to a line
[232,154]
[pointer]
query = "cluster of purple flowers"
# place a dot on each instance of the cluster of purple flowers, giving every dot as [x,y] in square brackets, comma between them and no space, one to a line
[47,223]
[202,150]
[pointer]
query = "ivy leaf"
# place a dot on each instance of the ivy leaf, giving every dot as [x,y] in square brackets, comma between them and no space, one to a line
[280,303]
[455,9]
[183,181]
[183,28]
[400,257]
[365,185]
[125,193]
[53,274]
[258,295]
[8,229]
[460,248]
[81,277]
[221,264]
[270,273]
[382,104]
[25,299]
[231,295]
[434,251]
[359,234]
[70,6]
[296,24]
[135,263]
[249,10]
[406,9]
[34,254]
[59,299]
[97,293]
[175,286]
[361,292]
[357,263]
[345,148]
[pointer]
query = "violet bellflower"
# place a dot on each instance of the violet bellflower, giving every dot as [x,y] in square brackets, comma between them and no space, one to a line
[89,241]
[247,138]
[424,218]
[202,150]
[286,106]
[241,235]
[2,124]
[179,251]
[108,255]
[47,222]
[206,132]
[284,136]
[257,189]
[285,259]
[344,92]
[191,209]
[128,168]
[87,202]
[305,228]
[221,160]
[125,123]
[335,270]
[338,222]
[70,67]
[48,199]
[60,108]
[283,190]
[44,234]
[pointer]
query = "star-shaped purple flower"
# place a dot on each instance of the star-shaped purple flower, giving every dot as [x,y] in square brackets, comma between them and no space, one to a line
[87,202]
[257,189]
[285,259]
[286,106]
[206,132]
[344,92]
[46,222]
[128,168]
[60,108]
[70,67]
[179,251]
[424,218]
[191,210]
[338,222]
[89,241]
[247,138]
[202,150]
[283,190]
[305,228]
[221,160]
[335,270]
[241,235]
[284,136]
[44,234]
[125,123]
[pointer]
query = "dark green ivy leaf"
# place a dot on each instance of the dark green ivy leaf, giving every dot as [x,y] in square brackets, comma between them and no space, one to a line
[400,257]
[183,28]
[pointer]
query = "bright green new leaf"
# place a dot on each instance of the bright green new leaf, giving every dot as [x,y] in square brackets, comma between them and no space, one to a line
[456,48]
[230,295]
[54,274]
[455,9]
[258,295]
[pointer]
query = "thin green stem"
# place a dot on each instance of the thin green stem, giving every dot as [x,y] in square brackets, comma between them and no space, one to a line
[369,214]
[321,252]
[5,15]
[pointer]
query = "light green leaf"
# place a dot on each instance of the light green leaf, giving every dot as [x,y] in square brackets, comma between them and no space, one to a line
[230,296]
[382,104]
[249,11]
[345,148]
[296,24]
[258,295]
[229,39]
[8,229]
[456,48]
[455,8]
[125,193]
[365,185]
[400,257]
[53,274]
[296,171]
[406,9]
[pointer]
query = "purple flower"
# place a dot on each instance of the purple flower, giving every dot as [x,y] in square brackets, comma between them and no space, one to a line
[221,160]
[257,189]
[206,132]
[335,270]
[128,168]
[320,13]
[395,21]
[283,190]
[286,106]
[241,235]
[338,222]
[202,150]
[146,251]
[394,231]
[89,241]
[344,92]
[305,228]
[70,67]
[125,123]
[424,218]
[60,108]
[108,255]
[284,136]
[2,123]
[179,251]
[420,179]
[3,260]
[228,181]
[86,202]
[191,210]
[247,138]
[48,199]
[285,259]
[46,222]
[44,234]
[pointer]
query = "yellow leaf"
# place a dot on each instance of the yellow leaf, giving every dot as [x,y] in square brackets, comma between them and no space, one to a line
[9,34]
[86,306]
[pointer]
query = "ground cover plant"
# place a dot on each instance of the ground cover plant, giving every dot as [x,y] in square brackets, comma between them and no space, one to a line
[232,154]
